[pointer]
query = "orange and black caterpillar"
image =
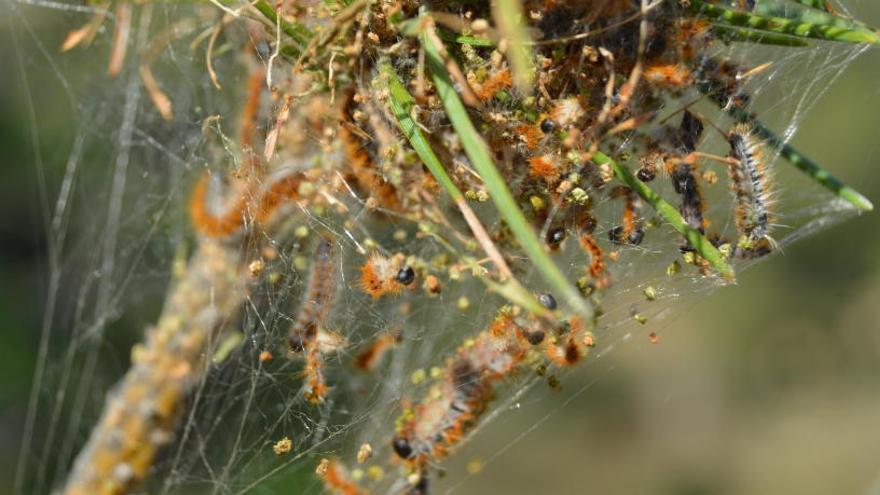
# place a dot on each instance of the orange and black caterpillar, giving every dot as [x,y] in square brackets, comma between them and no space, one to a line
[454,405]
[255,204]
[629,231]
[366,173]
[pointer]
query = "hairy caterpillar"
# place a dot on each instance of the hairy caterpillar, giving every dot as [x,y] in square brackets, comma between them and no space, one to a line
[336,480]
[451,407]
[545,167]
[597,260]
[366,173]
[306,334]
[629,231]
[570,345]
[370,357]
[752,191]
[253,203]
[684,180]
[379,276]
[318,293]
[495,83]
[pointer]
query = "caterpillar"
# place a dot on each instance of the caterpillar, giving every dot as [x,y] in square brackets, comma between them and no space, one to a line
[367,175]
[430,429]
[752,191]
[380,276]
[251,203]
[570,345]
[495,83]
[545,167]
[530,135]
[336,480]
[306,335]
[629,231]
[597,260]
[668,75]
[318,294]
[370,357]
[251,161]
[452,407]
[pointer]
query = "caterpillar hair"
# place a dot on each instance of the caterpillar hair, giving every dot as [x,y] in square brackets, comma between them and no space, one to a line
[597,260]
[430,429]
[317,298]
[370,357]
[629,231]
[495,83]
[336,480]
[379,276]
[752,191]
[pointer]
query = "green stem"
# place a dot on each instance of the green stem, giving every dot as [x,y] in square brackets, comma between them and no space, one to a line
[402,103]
[801,161]
[831,31]
[809,15]
[297,32]
[463,39]
[815,4]
[671,214]
[479,155]
[729,34]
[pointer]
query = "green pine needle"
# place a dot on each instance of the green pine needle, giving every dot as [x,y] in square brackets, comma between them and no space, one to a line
[297,32]
[830,29]
[815,4]
[735,34]
[802,162]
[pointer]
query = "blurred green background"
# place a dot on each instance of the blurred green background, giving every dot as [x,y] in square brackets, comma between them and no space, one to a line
[778,393]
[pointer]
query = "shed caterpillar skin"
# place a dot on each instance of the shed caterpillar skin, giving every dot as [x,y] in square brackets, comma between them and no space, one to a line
[752,192]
